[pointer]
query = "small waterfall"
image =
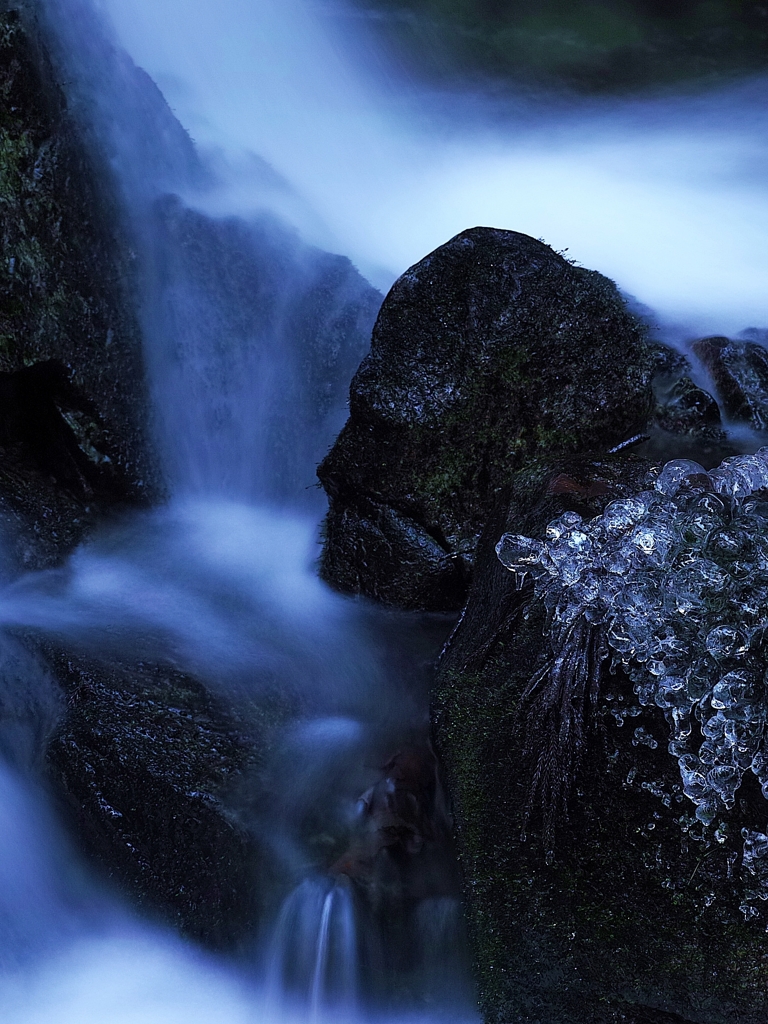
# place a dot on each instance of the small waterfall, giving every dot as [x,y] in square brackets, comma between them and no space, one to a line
[312,953]
[250,339]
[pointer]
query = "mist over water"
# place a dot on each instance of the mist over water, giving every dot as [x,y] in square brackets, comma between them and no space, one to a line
[668,196]
[224,589]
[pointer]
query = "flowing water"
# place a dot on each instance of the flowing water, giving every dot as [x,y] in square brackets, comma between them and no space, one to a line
[667,195]
[219,582]
[248,391]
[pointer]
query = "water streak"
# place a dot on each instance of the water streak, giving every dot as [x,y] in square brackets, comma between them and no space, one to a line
[312,958]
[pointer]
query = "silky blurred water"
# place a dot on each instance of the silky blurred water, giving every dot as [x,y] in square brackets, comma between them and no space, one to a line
[227,592]
[667,196]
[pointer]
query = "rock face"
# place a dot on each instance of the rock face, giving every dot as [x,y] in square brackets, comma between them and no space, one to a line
[739,371]
[492,352]
[72,376]
[637,916]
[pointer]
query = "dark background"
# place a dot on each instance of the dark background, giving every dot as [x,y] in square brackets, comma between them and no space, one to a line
[591,46]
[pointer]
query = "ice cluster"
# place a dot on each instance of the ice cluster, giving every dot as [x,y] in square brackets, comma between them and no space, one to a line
[676,579]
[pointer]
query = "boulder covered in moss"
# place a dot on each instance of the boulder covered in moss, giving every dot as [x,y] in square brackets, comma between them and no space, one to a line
[493,352]
[626,907]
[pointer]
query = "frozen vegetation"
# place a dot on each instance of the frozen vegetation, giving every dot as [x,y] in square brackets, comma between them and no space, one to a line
[672,586]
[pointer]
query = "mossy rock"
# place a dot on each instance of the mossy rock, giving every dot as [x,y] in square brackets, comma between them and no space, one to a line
[636,918]
[492,352]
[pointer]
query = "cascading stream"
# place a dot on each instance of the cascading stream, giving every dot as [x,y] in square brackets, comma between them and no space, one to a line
[248,386]
[312,951]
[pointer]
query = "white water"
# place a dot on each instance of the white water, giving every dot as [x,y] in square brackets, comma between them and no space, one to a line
[669,197]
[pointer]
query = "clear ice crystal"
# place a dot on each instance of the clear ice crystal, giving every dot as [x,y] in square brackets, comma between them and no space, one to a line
[642,737]
[681,474]
[677,580]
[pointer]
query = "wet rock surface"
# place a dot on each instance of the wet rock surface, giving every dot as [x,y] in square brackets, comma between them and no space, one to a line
[145,763]
[636,914]
[72,383]
[489,354]
[686,417]
[739,371]
[56,476]
[66,274]
[685,408]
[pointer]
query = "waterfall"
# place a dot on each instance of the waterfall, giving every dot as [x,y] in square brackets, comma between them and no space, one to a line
[251,336]
[311,957]
[252,325]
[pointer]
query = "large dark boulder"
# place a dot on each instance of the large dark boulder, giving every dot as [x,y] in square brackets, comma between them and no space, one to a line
[492,352]
[635,914]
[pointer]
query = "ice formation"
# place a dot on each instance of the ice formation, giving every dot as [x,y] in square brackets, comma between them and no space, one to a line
[675,580]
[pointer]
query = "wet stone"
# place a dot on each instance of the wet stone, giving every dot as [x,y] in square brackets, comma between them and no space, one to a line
[685,408]
[739,372]
[490,355]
